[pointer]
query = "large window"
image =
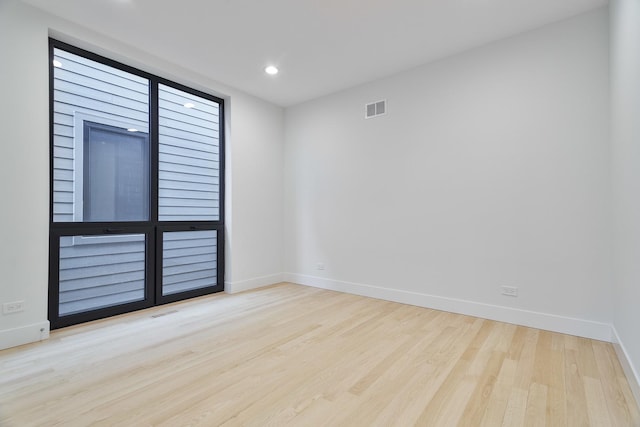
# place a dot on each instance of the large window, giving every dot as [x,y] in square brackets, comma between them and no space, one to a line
[137,189]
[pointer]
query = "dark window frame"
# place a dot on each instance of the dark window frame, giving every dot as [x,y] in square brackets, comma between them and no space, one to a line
[152,228]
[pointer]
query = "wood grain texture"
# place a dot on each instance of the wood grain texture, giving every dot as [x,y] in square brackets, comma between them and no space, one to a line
[293,355]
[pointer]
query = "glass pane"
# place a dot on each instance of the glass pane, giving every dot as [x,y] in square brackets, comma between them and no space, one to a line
[116,186]
[100,271]
[188,260]
[189,166]
[100,142]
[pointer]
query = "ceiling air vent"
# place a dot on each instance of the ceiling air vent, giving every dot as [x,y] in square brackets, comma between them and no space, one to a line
[374,109]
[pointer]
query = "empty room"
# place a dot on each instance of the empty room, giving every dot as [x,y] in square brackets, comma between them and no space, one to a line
[320,213]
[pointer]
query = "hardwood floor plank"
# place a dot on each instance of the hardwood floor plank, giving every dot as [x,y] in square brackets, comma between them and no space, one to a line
[439,406]
[597,407]
[514,415]
[557,391]
[614,396]
[536,413]
[576,399]
[477,405]
[497,405]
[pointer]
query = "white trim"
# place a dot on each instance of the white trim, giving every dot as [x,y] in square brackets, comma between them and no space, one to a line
[550,322]
[257,282]
[24,335]
[627,365]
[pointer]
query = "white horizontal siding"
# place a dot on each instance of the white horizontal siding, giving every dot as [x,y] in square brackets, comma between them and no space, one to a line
[65,197]
[63,131]
[189,196]
[191,153]
[169,164]
[197,148]
[67,81]
[200,164]
[62,152]
[125,110]
[170,119]
[63,209]
[179,177]
[182,203]
[84,88]
[177,260]
[111,275]
[104,259]
[190,186]
[99,273]
[64,164]
[63,175]
[189,167]
[84,66]
[180,270]
[189,260]
[188,137]
[63,186]
[94,303]
[176,97]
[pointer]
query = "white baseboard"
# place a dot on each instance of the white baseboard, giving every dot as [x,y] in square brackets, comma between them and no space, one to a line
[257,282]
[545,321]
[627,365]
[24,335]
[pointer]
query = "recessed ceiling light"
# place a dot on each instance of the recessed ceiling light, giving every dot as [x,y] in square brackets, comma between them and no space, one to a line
[189,105]
[57,63]
[132,130]
[271,70]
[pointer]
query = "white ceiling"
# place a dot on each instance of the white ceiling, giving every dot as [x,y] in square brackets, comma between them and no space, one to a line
[320,46]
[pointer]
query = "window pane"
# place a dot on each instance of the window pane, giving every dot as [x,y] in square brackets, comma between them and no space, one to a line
[100,271]
[189,186]
[87,92]
[116,165]
[188,260]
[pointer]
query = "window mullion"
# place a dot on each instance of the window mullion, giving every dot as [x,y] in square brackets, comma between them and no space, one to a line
[153,130]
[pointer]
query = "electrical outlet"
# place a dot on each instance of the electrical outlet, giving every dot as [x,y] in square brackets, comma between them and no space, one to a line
[319,266]
[12,307]
[510,291]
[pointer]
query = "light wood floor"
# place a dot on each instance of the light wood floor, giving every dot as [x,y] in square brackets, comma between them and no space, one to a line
[292,355]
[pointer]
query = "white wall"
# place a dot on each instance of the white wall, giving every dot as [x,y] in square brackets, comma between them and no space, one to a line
[24,171]
[625,105]
[254,165]
[491,168]
[256,249]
